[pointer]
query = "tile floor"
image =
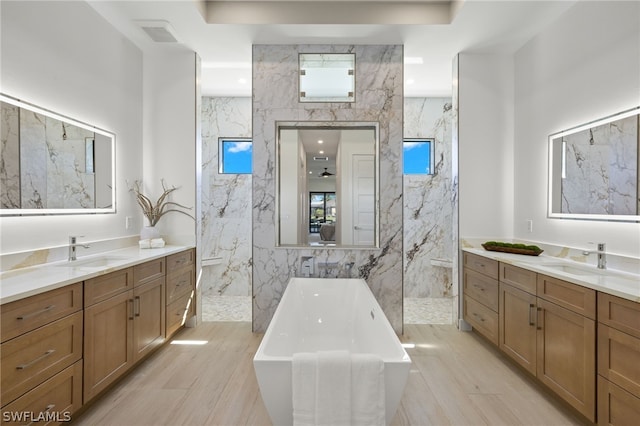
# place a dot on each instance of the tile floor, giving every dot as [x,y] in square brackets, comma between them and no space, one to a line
[416,310]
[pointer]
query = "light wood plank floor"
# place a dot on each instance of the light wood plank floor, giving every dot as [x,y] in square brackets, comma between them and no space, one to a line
[456,379]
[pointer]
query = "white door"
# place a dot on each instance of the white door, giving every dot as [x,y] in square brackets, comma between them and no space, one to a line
[363,184]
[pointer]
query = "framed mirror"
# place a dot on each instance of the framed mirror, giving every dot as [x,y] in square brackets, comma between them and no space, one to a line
[327,77]
[327,184]
[593,170]
[53,164]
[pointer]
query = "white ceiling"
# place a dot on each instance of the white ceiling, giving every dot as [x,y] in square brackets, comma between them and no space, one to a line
[501,26]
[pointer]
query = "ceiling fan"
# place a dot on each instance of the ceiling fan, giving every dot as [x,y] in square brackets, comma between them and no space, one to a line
[326,173]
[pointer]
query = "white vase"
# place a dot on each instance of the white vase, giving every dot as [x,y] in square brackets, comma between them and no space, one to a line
[149,232]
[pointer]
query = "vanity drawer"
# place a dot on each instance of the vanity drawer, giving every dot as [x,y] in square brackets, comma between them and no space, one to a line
[618,358]
[483,319]
[518,277]
[179,311]
[481,264]
[33,357]
[179,283]
[180,260]
[148,271]
[619,313]
[481,288]
[56,399]
[106,286]
[576,298]
[32,312]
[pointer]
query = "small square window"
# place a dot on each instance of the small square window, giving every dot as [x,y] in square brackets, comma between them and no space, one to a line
[236,156]
[417,156]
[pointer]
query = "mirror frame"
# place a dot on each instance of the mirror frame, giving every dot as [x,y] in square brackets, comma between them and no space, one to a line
[71,121]
[332,125]
[552,185]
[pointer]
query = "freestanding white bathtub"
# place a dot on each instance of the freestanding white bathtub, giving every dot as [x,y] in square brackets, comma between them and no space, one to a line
[324,314]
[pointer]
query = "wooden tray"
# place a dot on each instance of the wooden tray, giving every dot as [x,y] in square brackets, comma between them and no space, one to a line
[513,250]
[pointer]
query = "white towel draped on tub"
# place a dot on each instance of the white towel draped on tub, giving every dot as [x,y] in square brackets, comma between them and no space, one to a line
[337,388]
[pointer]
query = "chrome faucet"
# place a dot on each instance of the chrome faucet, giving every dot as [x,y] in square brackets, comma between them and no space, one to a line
[72,247]
[602,255]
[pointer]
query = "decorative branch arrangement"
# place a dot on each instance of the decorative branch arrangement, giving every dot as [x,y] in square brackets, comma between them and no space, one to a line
[153,212]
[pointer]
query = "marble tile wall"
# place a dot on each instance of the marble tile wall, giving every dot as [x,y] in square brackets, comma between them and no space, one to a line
[428,205]
[602,169]
[226,201]
[52,163]
[9,157]
[379,97]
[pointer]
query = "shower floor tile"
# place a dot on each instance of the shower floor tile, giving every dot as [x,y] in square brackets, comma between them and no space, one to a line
[428,310]
[226,308]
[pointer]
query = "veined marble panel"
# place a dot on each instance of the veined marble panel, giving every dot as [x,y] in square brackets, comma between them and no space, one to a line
[226,201]
[52,164]
[428,207]
[9,157]
[602,169]
[379,98]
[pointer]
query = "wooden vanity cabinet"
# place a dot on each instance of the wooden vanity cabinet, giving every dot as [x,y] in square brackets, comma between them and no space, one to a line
[618,360]
[548,327]
[480,302]
[41,353]
[180,296]
[125,326]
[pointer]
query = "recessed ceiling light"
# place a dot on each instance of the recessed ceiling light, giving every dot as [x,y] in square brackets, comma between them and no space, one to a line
[320,141]
[320,152]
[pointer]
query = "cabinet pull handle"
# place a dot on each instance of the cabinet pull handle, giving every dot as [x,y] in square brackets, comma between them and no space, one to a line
[136,305]
[33,314]
[49,408]
[478,287]
[539,327]
[478,316]
[40,358]
[130,309]
[531,320]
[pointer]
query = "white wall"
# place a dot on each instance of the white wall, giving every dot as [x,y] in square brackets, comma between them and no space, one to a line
[485,137]
[585,66]
[64,57]
[170,136]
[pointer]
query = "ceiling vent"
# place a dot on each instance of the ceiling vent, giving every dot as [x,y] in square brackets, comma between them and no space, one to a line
[160,31]
[320,158]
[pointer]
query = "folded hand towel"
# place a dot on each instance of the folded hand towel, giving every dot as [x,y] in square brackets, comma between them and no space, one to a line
[144,244]
[333,388]
[367,390]
[304,388]
[157,242]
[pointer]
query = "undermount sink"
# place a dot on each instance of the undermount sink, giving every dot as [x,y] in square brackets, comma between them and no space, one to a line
[573,270]
[95,262]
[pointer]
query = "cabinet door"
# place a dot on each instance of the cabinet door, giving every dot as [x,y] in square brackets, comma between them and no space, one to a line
[517,326]
[108,350]
[566,355]
[616,407]
[149,317]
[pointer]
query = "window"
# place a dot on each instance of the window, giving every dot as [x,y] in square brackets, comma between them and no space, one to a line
[236,155]
[417,156]
[322,209]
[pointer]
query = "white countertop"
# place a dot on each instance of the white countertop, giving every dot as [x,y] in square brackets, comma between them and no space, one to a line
[617,283]
[24,282]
